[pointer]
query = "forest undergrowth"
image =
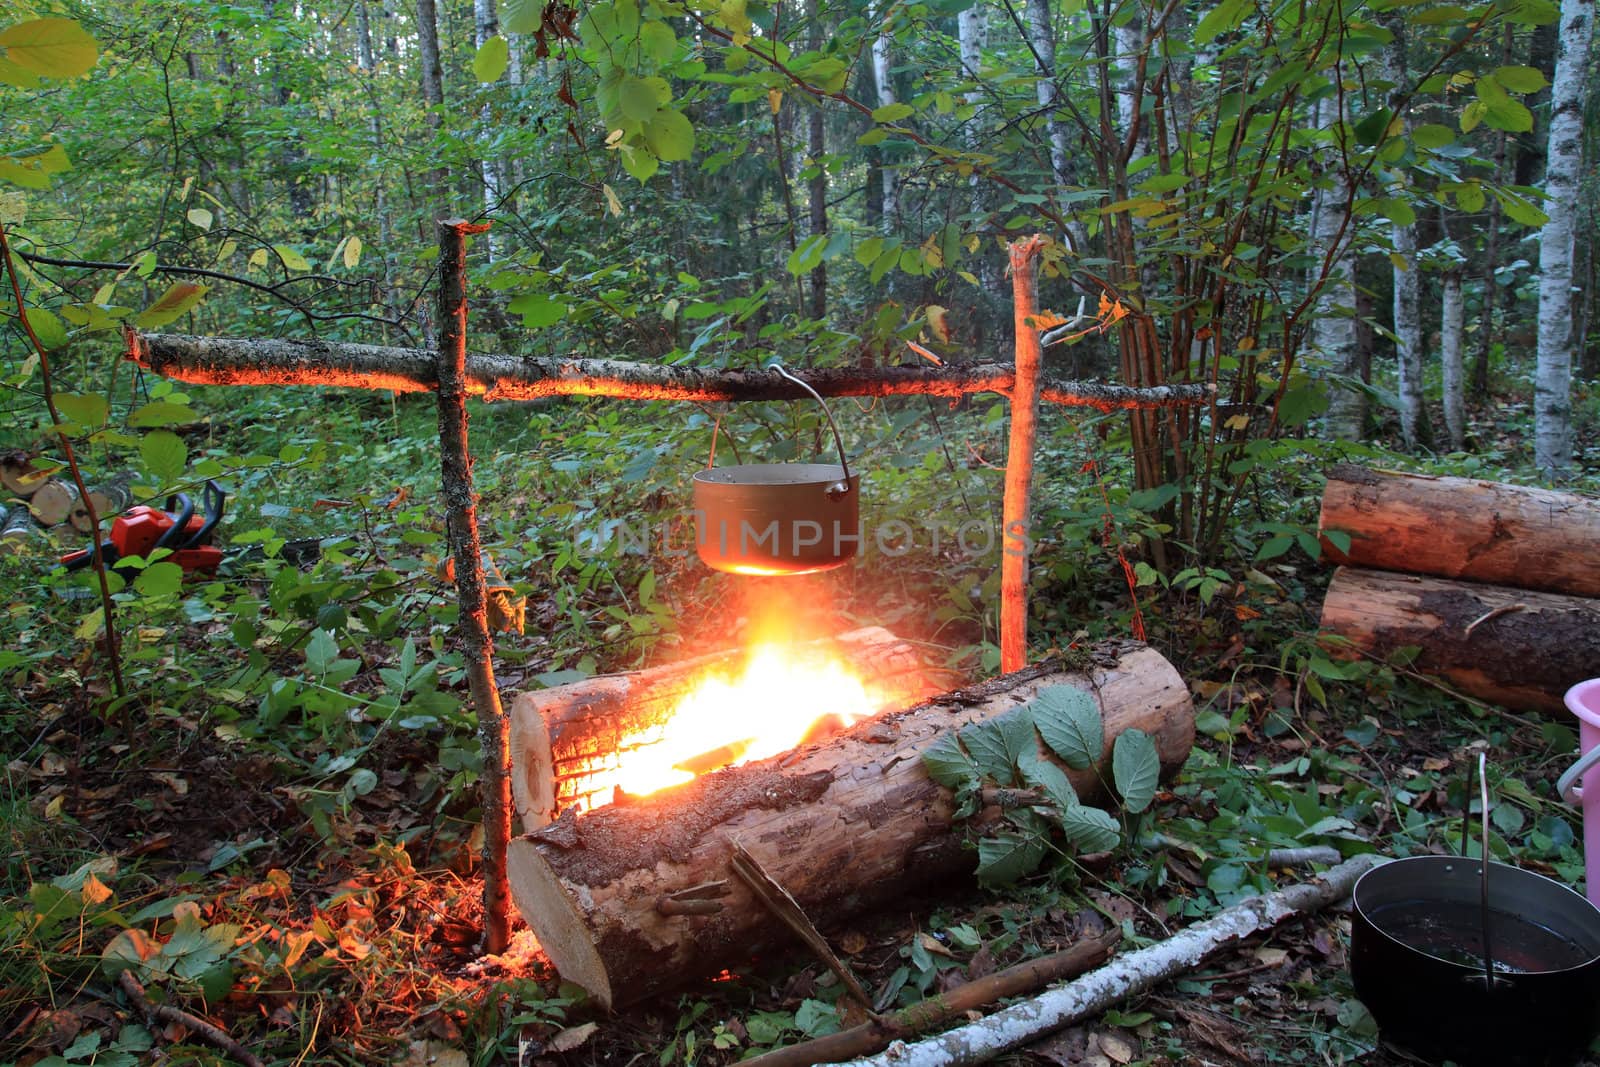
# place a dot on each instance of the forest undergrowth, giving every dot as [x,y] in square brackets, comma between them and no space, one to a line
[277,829]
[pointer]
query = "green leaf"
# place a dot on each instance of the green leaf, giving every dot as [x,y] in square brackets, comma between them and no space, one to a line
[1069,721]
[47,328]
[494,55]
[1371,130]
[521,16]
[1224,17]
[1521,79]
[1432,135]
[537,309]
[1396,210]
[321,651]
[950,766]
[1469,197]
[162,578]
[1008,856]
[670,135]
[176,302]
[1520,210]
[52,48]
[1041,774]
[807,255]
[164,454]
[986,742]
[292,259]
[639,163]
[637,98]
[33,171]
[160,413]
[1090,829]
[86,409]
[1136,769]
[22,78]
[199,217]
[657,40]
[892,112]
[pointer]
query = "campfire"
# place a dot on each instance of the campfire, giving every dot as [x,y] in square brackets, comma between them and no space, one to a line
[624,738]
[779,698]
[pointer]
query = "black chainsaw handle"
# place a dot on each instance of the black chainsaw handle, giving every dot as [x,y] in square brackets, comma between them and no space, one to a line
[180,519]
[215,502]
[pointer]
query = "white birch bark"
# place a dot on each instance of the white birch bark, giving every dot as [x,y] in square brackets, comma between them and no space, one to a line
[881,70]
[1333,326]
[1041,35]
[1452,323]
[486,24]
[1407,296]
[1552,386]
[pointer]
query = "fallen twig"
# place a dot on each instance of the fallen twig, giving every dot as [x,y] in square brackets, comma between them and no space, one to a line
[1130,974]
[872,1036]
[207,1032]
[791,914]
[1490,616]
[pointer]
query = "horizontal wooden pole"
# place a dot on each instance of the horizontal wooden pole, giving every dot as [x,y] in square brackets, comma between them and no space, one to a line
[249,361]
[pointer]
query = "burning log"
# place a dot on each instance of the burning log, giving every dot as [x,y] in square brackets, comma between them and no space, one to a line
[1464,528]
[842,824]
[567,742]
[238,361]
[1513,647]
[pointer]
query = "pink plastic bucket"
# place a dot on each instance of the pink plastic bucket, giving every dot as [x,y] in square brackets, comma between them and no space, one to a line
[1581,783]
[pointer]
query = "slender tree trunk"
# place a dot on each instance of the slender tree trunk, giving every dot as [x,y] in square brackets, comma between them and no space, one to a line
[882,79]
[817,185]
[1407,284]
[1450,330]
[1333,327]
[432,98]
[486,24]
[1491,288]
[292,157]
[367,62]
[1552,386]
[1042,39]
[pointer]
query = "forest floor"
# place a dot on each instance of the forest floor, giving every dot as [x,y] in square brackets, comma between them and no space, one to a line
[315,894]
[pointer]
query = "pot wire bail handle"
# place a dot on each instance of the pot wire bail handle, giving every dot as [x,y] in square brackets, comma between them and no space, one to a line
[839,488]
[1483,867]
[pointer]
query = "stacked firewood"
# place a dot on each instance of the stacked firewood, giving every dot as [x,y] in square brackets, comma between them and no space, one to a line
[1496,587]
[40,502]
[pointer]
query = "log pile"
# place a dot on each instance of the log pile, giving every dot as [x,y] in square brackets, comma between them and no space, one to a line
[42,504]
[1495,585]
[632,898]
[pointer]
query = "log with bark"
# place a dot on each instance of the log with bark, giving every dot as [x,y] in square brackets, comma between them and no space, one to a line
[17,529]
[20,476]
[1463,528]
[240,361]
[842,825]
[52,502]
[565,740]
[110,499]
[1514,647]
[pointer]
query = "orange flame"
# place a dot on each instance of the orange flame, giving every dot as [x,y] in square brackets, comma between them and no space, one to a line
[781,697]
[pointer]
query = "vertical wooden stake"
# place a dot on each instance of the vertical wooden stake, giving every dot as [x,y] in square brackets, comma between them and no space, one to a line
[461,520]
[1019,457]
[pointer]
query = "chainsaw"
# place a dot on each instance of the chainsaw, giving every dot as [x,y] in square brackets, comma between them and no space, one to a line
[141,530]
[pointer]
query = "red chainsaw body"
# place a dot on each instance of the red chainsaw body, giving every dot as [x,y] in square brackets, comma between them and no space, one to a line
[136,531]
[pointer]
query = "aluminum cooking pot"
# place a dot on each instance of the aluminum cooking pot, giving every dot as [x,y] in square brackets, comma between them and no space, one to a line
[779,518]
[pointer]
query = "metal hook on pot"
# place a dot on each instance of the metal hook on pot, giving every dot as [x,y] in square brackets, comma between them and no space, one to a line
[841,487]
[1483,866]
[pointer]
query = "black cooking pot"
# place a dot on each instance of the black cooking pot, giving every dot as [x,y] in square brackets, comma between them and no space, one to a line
[1416,957]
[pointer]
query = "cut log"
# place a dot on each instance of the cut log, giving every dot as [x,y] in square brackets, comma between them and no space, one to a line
[17,530]
[842,824]
[1464,528]
[20,476]
[1514,647]
[53,501]
[109,499]
[566,741]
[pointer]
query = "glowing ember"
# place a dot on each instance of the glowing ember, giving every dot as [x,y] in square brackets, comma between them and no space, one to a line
[782,696]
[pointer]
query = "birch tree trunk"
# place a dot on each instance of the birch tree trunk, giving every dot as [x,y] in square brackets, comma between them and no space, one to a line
[884,83]
[1407,288]
[817,185]
[1042,39]
[1333,327]
[1451,325]
[1552,385]
[432,93]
